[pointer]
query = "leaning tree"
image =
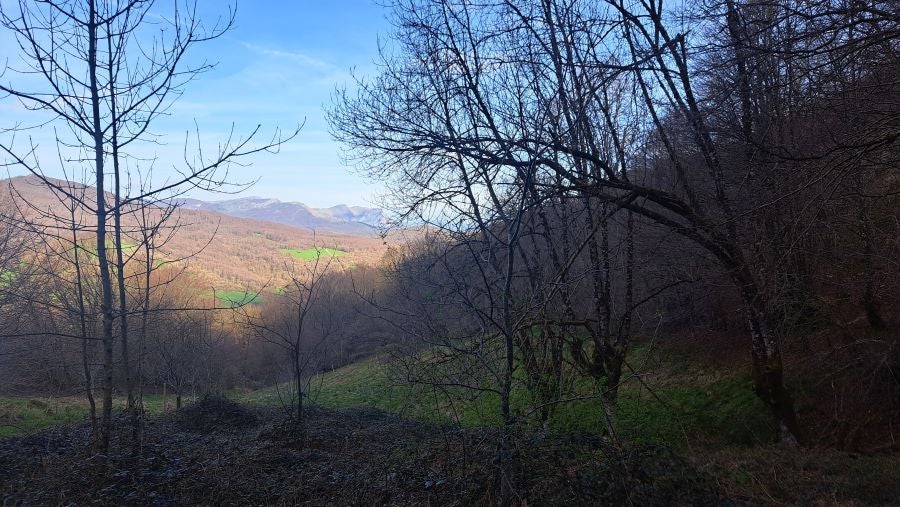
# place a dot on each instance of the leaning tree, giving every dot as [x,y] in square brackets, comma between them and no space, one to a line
[621,104]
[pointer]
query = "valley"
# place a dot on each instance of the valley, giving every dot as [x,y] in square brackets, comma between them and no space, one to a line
[227,252]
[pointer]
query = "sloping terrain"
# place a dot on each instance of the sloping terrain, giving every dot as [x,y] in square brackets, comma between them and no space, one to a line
[242,253]
[699,408]
[217,452]
[226,252]
[354,457]
[689,434]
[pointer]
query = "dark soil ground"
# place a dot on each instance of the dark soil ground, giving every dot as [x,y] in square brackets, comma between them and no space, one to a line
[219,453]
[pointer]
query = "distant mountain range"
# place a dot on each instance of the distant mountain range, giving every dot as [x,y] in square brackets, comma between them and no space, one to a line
[341,219]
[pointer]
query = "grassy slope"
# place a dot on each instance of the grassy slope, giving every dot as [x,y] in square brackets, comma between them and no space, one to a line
[710,415]
[21,416]
[237,297]
[311,254]
[683,409]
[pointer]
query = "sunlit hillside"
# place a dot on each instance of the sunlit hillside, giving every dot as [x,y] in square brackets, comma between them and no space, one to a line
[231,254]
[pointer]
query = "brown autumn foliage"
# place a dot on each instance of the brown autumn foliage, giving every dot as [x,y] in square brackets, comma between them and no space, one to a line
[229,253]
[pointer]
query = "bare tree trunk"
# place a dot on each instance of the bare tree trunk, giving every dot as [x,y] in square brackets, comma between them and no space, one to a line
[82,320]
[106,304]
[506,442]
[117,237]
[148,244]
[89,386]
[298,374]
[507,459]
[768,369]
[605,365]
[869,304]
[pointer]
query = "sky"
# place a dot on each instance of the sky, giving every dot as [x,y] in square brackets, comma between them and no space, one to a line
[277,68]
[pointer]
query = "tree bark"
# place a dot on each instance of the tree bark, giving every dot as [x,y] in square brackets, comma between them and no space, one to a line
[768,368]
[106,303]
[120,258]
[82,320]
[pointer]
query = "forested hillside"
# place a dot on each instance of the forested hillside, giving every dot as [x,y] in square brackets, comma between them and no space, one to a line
[635,253]
[229,253]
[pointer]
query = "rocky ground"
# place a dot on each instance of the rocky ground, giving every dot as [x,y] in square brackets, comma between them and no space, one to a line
[217,452]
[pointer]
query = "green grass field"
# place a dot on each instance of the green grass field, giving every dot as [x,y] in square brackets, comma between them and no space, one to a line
[21,416]
[708,407]
[7,277]
[238,297]
[90,247]
[684,405]
[126,247]
[311,254]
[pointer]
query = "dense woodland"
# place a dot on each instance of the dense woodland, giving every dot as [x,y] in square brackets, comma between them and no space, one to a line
[582,193]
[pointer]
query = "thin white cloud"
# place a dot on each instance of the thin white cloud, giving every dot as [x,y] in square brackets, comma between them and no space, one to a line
[295,56]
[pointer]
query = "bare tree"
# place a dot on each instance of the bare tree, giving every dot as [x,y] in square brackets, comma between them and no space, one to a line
[180,352]
[607,102]
[107,75]
[287,322]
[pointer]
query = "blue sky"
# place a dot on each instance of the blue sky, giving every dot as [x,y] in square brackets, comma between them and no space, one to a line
[278,67]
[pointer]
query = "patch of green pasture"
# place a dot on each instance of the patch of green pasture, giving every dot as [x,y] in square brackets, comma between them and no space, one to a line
[369,383]
[126,247]
[238,297]
[90,246]
[679,414]
[311,254]
[8,277]
[365,383]
[21,416]
[702,409]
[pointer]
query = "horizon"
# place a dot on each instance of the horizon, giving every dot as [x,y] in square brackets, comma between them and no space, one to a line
[277,67]
[211,197]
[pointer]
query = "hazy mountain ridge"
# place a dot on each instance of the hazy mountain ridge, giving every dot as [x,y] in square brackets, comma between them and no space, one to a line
[340,218]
